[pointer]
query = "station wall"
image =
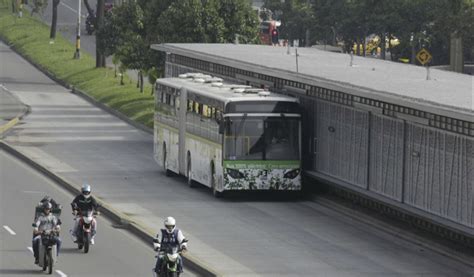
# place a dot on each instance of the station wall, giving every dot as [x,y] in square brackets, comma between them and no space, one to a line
[421,160]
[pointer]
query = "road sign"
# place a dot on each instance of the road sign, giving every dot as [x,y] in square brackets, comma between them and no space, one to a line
[424,56]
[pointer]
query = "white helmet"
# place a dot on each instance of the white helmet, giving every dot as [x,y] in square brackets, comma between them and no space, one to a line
[170,224]
[86,190]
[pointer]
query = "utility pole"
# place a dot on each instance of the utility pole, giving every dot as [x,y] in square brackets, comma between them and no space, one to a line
[77,54]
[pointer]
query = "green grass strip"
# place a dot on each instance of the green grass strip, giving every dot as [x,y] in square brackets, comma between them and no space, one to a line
[30,36]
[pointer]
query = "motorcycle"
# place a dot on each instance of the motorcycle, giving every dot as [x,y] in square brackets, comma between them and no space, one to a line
[84,229]
[48,250]
[90,26]
[169,265]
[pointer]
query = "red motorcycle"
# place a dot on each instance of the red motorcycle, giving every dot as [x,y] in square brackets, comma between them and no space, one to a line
[85,229]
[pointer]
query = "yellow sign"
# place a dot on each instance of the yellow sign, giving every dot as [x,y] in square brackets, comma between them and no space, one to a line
[423,56]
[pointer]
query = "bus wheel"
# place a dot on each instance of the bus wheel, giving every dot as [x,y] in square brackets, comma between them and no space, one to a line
[215,192]
[167,171]
[191,183]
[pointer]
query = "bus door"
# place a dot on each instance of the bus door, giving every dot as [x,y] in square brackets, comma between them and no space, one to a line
[182,130]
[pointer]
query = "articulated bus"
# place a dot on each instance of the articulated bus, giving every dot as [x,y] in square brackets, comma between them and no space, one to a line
[225,136]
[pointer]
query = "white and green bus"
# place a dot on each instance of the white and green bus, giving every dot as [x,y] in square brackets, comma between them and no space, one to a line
[225,136]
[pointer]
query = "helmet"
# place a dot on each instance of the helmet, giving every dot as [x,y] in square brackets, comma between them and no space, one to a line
[47,206]
[86,190]
[170,223]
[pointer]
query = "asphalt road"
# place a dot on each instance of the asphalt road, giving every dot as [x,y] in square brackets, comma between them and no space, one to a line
[116,252]
[67,22]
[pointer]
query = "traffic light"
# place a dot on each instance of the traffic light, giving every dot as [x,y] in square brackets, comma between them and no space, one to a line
[275,36]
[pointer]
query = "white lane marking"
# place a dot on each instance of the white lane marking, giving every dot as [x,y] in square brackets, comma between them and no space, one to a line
[31,249]
[9,230]
[32,191]
[61,273]
[72,9]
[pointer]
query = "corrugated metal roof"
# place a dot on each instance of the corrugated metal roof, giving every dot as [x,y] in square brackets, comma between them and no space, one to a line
[404,84]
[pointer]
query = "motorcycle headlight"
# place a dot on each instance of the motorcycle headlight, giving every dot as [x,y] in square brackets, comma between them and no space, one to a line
[292,174]
[88,219]
[172,257]
[234,173]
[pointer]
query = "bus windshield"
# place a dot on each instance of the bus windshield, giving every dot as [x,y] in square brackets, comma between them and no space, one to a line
[262,138]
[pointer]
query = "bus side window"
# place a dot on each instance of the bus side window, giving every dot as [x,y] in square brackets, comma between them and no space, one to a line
[213,113]
[196,107]
[168,99]
[200,109]
[190,105]
[206,111]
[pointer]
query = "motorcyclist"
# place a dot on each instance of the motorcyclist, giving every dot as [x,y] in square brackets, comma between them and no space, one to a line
[90,22]
[170,237]
[46,221]
[47,198]
[84,202]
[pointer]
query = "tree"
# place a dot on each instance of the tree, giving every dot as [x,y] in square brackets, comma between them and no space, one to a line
[38,6]
[99,55]
[213,23]
[189,15]
[52,34]
[153,74]
[88,7]
[239,19]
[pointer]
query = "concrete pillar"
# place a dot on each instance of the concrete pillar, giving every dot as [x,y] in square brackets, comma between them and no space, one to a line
[456,61]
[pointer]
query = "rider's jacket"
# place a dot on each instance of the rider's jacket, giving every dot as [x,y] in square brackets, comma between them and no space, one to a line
[84,204]
[173,239]
[46,222]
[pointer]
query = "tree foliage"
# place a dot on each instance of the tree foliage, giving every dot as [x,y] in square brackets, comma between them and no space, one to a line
[416,23]
[130,28]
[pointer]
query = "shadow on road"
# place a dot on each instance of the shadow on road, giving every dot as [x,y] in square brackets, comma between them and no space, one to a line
[19,271]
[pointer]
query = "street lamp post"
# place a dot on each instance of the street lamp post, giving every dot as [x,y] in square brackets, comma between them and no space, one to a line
[77,54]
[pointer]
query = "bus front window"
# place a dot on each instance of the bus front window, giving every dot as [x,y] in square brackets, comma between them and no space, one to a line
[262,139]
[281,139]
[244,139]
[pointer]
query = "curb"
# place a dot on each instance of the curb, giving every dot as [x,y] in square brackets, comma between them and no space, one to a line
[12,122]
[392,230]
[9,125]
[192,263]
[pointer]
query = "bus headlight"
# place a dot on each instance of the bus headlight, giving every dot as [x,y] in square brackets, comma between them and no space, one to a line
[234,173]
[292,174]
